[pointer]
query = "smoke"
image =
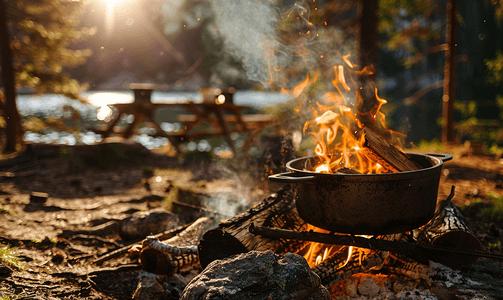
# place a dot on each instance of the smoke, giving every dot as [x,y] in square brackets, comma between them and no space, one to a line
[248,30]
[272,38]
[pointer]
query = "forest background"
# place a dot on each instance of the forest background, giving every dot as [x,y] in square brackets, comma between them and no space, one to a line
[176,44]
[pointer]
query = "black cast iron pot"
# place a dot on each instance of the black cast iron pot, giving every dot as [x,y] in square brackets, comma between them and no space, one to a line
[365,204]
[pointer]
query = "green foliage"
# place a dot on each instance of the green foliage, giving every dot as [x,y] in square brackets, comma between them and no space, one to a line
[493,212]
[498,12]
[494,246]
[468,109]
[495,68]
[487,130]
[499,103]
[409,27]
[8,257]
[44,31]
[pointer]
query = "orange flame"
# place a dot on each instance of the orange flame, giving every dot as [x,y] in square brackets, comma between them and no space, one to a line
[337,124]
[336,127]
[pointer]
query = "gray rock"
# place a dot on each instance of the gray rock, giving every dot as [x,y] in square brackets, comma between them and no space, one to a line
[257,275]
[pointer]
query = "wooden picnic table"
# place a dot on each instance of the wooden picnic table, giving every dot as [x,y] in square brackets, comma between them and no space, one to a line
[222,120]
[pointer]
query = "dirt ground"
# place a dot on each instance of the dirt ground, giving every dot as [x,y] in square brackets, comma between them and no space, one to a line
[57,238]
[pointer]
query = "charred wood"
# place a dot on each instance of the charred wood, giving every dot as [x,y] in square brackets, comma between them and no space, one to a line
[339,266]
[387,155]
[174,254]
[347,261]
[233,237]
[154,243]
[399,265]
[448,228]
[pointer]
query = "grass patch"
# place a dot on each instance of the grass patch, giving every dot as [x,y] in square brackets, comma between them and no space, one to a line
[430,146]
[494,212]
[8,257]
[491,211]
[4,211]
[494,246]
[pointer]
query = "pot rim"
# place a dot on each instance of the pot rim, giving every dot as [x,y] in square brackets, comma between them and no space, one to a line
[437,163]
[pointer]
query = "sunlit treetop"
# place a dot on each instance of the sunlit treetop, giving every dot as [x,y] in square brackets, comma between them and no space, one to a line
[42,33]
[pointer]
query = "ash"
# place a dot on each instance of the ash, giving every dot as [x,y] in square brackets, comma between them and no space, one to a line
[475,282]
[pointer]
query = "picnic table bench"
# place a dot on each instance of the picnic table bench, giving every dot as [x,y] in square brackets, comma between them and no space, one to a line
[220,118]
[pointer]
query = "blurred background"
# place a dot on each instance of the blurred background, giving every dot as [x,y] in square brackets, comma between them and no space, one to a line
[70,59]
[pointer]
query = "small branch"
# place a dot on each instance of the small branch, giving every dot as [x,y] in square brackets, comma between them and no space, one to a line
[120,251]
[423,91]
[154,243]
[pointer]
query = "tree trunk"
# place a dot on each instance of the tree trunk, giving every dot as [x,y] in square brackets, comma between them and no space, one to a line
[451,31]
[368,58]
[11,113]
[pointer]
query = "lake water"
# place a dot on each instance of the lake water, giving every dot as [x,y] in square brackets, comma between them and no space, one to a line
[45,106]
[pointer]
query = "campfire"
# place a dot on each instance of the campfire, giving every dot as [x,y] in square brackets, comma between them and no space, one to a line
[361,207]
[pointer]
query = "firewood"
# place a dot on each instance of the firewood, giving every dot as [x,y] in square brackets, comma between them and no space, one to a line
[448,228]
[116,253]
[233,237]
[385,154]
[400,265]
[155,258]
[154,243]
[334,269]
[339,266]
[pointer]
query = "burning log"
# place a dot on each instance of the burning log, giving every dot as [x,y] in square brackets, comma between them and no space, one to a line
[341,266]
[346,262]
[385,154]
[174,254]
[233,237]
[448,228]
[408,267]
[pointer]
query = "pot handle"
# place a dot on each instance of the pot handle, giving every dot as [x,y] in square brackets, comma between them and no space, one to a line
[291,177]
[441,156]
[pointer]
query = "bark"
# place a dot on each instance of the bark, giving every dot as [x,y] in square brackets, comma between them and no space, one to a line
[368,58]
[389,157]
[449,96]
[174,254]
[449,229]
[233,237]
[11,113]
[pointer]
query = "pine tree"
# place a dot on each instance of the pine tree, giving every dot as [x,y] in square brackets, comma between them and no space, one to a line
[495,65]
[40,35]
